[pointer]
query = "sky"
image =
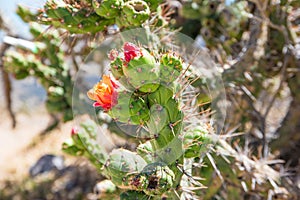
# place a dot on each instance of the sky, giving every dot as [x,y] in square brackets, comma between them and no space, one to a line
[28,91]
[7,10]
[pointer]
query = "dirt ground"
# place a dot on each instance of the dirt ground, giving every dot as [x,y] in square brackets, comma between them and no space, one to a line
[22,146]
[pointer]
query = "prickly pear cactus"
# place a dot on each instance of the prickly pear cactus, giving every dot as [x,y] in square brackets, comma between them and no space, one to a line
[91,17]
[45,61]
[221,23]
[143,90]
[83,142]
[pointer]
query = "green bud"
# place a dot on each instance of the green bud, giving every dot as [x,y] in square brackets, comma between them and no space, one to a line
[170,67]
[71,148]
[105,186]
[196,141]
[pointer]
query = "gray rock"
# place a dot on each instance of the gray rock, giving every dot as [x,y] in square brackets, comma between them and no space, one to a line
[47,163]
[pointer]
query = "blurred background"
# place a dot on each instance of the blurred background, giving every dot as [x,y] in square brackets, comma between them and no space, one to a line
[256,45]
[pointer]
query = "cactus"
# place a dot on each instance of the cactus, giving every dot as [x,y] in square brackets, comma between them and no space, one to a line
[74,19]
[134,195]
[170,67]
[130,109]
[196,141]
[152,104]
[54,76]
[154,170]
[134,13]
[122,165]
[108,9]
[220,23]
[91,17]
[83,142]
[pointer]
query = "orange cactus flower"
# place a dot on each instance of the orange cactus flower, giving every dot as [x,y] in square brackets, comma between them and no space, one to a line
[104,93]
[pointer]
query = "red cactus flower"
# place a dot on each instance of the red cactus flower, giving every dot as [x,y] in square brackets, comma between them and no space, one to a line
[104,93]
[131,51]
[74,131]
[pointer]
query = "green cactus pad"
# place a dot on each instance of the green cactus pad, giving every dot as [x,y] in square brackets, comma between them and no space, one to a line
[142,72]
[123,164]
[75,20]
[130,109]
[116,68]
[161,96]
[84,143]
[108,9]
[146,151]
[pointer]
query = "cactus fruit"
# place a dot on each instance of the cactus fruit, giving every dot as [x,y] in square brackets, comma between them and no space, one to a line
[134,13]
[108,9]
